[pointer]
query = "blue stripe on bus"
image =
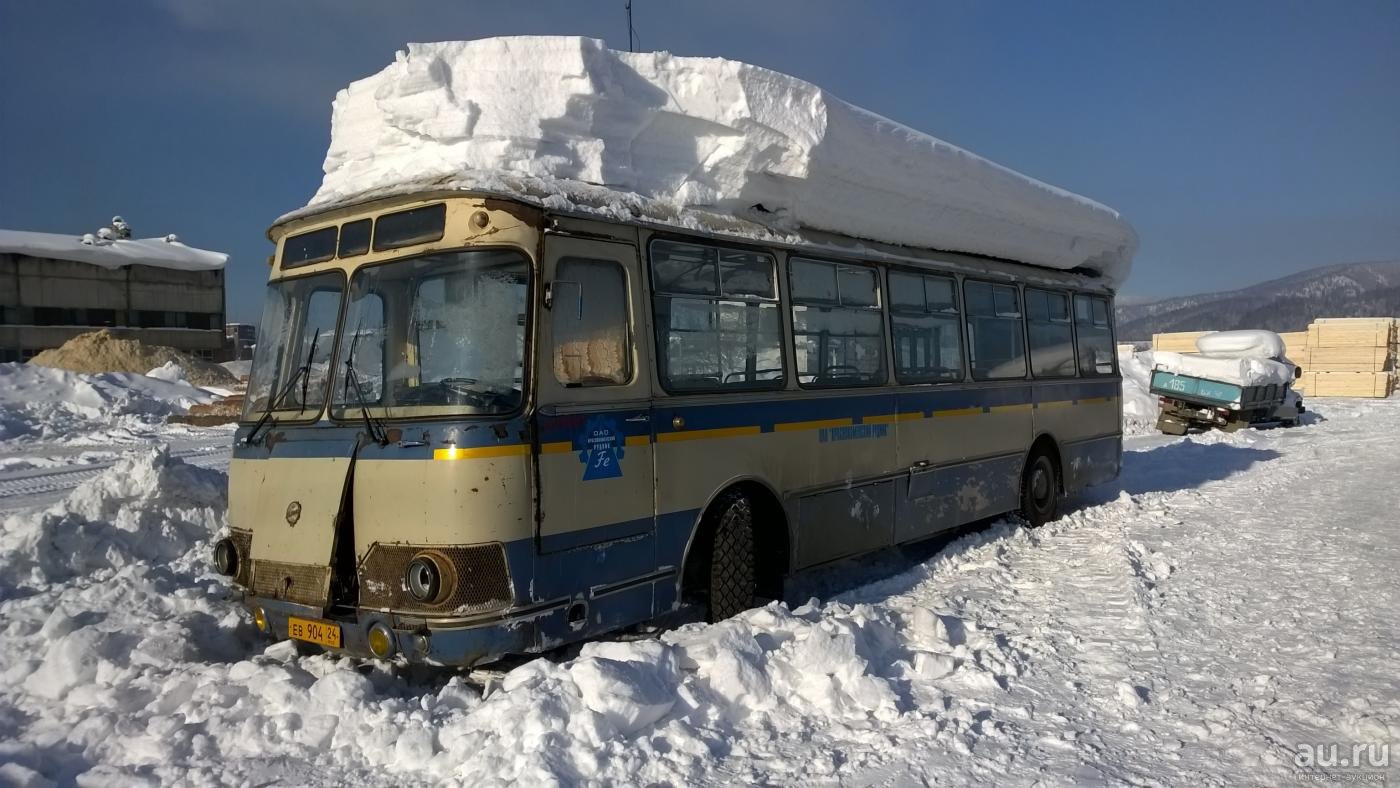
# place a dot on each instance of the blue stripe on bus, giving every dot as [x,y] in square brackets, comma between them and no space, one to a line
[336,440]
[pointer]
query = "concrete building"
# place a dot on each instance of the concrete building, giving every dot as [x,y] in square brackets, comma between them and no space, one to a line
[54,287]
[239,340]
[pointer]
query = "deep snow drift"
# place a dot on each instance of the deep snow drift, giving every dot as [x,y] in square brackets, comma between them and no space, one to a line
[1139,405]
[679,139]
[39,402]
[1230,599]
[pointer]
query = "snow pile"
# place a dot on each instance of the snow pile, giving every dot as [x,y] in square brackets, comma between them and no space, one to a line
[112,252]
[1126,643]
[568,123]
[105,351]
[1241,344]
[1241,371]
[239,369]
[1139,405]
[170,372]
[147,508]
[41,402]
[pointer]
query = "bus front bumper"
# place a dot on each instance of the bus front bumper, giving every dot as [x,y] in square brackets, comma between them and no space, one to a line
[419,641]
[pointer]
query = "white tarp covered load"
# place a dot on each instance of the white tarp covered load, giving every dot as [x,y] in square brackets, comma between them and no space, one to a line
[1239,371]
[563,120]
[165,252]
[1242,344]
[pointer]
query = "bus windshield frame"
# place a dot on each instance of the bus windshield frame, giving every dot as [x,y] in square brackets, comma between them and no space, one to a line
[291,364]
[437,335]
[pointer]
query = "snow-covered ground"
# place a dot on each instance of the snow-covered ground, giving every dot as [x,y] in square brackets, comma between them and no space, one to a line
[58,429]
[1230,600]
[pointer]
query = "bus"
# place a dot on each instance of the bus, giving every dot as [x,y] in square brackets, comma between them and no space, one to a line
[476,426]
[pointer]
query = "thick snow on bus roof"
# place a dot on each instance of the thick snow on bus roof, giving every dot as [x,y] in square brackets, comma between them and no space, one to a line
[165,252]
[567,123]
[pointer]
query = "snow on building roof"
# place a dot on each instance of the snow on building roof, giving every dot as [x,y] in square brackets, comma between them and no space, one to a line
[559,119]
[165,252]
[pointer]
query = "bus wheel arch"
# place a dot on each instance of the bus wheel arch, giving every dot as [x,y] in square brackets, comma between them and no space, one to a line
[770,544]
[1043,466]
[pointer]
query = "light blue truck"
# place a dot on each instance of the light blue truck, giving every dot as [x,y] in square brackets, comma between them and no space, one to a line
[1187,401]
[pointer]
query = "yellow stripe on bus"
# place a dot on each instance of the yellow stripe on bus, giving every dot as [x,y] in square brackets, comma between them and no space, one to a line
[939,414]
[638,440]
[891,418]
[793,426]
[1055,403]
[557,447]
[1013,408]
[692,435]
[480,452]
[1094,400]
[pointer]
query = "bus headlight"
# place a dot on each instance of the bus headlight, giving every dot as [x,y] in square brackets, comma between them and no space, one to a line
[424,578]
[260,618]
[381,641]
[226,557]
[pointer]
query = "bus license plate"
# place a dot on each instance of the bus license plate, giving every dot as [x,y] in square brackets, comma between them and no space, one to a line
[322,633]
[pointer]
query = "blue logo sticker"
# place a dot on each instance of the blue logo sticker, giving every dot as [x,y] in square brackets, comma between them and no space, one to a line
[600,448]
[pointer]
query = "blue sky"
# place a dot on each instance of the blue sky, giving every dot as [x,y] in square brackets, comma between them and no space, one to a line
[1244,140]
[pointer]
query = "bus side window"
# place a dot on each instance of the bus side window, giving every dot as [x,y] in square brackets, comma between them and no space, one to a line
[924,322]
[717,317]
[994,331]
[1051,337]
[836,324]
[1095,335]
[592,343]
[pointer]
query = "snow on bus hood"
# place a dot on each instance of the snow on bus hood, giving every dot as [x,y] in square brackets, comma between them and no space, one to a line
[570,124]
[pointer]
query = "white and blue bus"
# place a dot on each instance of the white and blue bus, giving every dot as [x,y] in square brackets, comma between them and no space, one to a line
[476,426]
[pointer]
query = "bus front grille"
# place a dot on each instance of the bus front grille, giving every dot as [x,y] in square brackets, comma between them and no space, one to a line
[482,580]
[304,584]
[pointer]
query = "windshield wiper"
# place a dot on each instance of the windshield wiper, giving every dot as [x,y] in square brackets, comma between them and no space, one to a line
[275,401]
[303,373]
[306,371]
[376,430]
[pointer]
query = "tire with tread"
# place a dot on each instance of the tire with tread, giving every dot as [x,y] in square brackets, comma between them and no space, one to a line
[732,571]
[1040,490]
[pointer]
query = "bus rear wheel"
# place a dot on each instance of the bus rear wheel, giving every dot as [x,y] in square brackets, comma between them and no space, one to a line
[733,583]
[1040,490]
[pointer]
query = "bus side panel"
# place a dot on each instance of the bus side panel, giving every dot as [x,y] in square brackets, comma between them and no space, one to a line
[1082,416]
[935,500]
[844,522]
[962,449]
[804,446]
[1093,461]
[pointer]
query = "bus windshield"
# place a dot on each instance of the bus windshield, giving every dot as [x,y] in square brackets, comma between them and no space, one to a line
[441,334]
[296,336]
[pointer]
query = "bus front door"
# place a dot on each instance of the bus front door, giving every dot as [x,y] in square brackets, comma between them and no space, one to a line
[593,444]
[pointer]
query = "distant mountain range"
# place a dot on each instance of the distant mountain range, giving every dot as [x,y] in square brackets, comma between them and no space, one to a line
[1286,304]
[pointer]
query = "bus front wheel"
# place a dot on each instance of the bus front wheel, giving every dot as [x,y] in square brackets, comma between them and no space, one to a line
[732,573]
[1040,491]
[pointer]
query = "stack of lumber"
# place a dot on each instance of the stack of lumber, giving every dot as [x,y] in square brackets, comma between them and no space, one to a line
[1295,344]
[1177,341]
[1351,357]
